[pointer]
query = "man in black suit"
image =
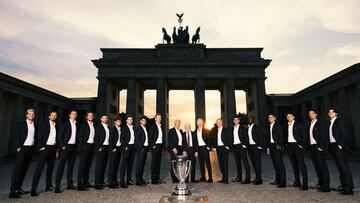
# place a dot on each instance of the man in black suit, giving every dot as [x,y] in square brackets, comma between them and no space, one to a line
[127,140]
[203,139]
[297,142]
[86,146]
[26,138]
[221,143]
[142,148]
[191,149]
[255,140]
[175,146]
[102,137]
[115,153]
[275,146]
[318,147]
[337,139]
[47,146]
[237,141]
[67,141]
[156,144]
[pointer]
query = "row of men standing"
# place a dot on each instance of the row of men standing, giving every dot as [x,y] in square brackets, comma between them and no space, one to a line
[107,143]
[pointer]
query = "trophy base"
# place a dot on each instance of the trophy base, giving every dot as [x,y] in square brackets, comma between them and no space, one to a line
[184,198]
[181,192]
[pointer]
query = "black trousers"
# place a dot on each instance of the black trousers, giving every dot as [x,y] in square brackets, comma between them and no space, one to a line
[278,163]
[296,156]
[101,162]
[114,165]
[47,156]
[23,160]
[255,158]
[67,155]
[240,155]
[127,163]
[141,155]
[191,156]
[156,162]
[343,166]
[223,159]
[204,159]
[85,162]
[322,171]
[172,158]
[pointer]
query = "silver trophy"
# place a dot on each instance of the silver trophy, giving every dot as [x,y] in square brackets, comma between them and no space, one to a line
[181,167]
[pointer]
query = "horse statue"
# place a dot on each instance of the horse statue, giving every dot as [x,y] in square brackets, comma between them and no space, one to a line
[166,37]
[196,37]
[187,36]
[175,36]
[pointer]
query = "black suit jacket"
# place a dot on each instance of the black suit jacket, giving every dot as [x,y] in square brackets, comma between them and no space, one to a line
[277,134]
[153,135]
[21,133]
[65,134]
[299,134]
[44,132]
[339,133]
[173,140]
[195,144]
[84,133]
[241,133]
[224,137]
[140,138]
[125,136]
[114,137]
[205,134]
[256,136]
[100,135]
[318,134]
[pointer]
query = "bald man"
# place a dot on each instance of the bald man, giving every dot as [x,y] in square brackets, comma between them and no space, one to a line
[175,146]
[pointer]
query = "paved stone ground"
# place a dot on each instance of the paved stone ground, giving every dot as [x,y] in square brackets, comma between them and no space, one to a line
[216,192]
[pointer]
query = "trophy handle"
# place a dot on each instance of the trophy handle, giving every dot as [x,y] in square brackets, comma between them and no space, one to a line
[173,167]
[188,164]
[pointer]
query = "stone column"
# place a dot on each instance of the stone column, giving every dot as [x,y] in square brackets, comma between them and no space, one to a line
[60,115]
[261,102]
[314,104]
[342,105]
[325,107]
[18,115]
[304,113]
[101,107]
[228,104]
[354,110]
[134,99]
[199,94]
[162,103]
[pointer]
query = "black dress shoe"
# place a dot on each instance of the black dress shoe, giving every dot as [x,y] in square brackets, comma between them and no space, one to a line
[202,180]
[71,187]
[246,182]
[258,182]
[236,180]
[281,185]
[89,185]
[225,182]
[14,196]
[221,181]
[99,187]
[81,188]
[324,189]
[104,185]
[296,184]
[304,187]
[51,188]
[340,188]
[21,192]
[113,186]
[130,182]
[347,192]
[34,194]
[58,190]
[154,182]
[275,183]
[210,181]
[161,181]
[194,181]
[317,186]
[123,185]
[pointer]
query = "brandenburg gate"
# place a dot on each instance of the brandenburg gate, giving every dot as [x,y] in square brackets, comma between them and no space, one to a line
[182,67]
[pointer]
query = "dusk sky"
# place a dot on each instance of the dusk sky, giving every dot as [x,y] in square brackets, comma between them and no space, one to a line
[51,43]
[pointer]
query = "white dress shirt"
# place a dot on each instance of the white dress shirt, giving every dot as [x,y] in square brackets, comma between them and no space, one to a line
[107,134]
[30,137]
[118,143]
[332,139]
[271,135]
[178,133]
[52,134]
[251,140]
[92,132]
[146,142]
[236,134]
[159,139]
[219,141]
[72,139]
[312,140]
[200,138]
[291,138]
[188,138]
[132,135]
